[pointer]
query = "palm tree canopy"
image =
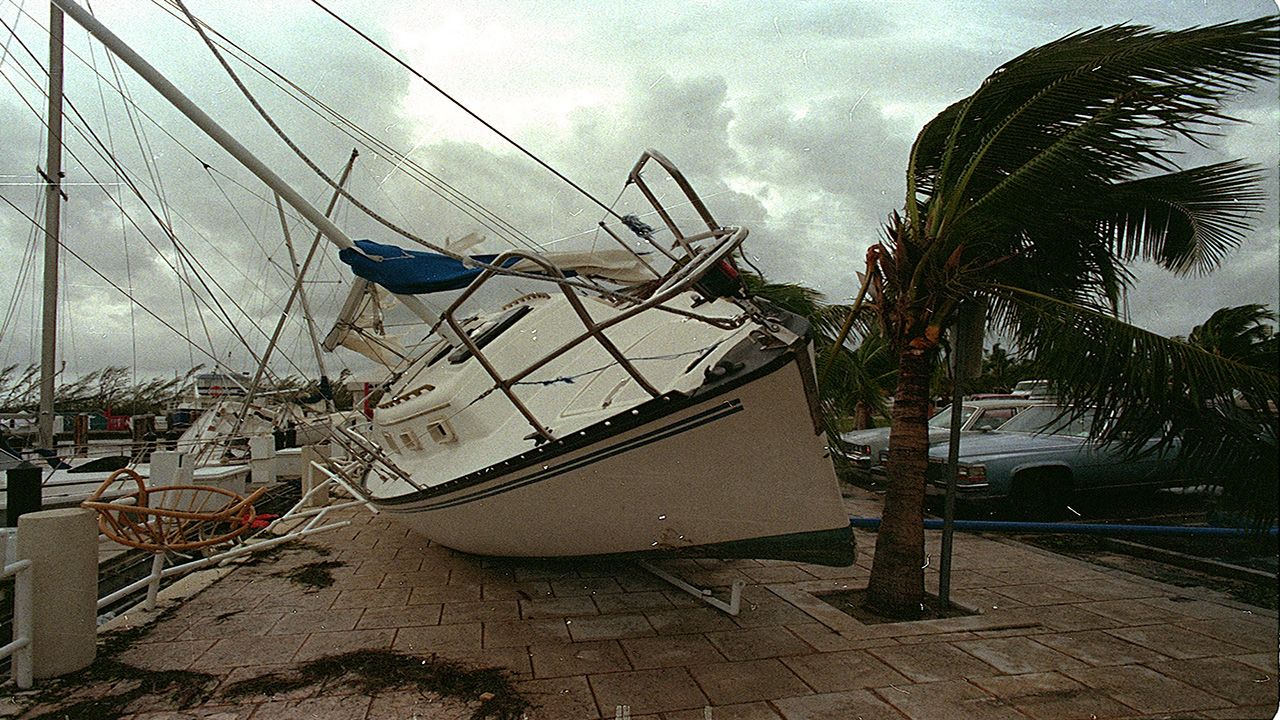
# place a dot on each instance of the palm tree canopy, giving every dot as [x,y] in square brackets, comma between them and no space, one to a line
[1031,196]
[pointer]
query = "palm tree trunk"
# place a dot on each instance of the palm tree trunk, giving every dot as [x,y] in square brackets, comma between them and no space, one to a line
[897,575]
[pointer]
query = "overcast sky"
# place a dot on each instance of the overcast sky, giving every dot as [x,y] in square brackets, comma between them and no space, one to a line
[793,119]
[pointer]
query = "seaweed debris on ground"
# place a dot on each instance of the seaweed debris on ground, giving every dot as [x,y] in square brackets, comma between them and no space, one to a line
[314,574]
[107,688]
[373,671]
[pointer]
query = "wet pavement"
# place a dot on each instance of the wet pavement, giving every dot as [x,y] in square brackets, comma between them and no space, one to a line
[1054,637]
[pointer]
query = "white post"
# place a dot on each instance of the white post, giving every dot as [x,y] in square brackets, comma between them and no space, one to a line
[313,478]
[62,546]
[262,459]
[157,574]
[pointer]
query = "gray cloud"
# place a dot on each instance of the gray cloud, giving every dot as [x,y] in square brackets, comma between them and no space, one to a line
[794,119]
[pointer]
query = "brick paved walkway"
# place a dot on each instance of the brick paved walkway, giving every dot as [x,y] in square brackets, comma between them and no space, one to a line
[1056,638]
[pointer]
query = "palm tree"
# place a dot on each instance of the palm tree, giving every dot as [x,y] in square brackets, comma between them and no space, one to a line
[1228,440]
[1026,200]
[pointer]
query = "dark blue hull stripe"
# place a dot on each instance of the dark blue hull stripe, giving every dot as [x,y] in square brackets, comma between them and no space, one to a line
[722,410]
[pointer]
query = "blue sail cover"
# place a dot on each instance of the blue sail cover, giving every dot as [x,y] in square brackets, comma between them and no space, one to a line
[412,272]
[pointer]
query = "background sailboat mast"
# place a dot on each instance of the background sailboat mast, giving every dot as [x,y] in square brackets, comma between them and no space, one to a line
[52,214]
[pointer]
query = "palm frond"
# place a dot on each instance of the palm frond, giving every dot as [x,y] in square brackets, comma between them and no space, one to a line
[1138,384]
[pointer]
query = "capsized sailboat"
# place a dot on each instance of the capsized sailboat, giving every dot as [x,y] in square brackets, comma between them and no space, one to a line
[642,403]
[670,415]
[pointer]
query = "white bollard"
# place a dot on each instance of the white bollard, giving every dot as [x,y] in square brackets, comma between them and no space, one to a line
[170,467]
[262,460]
[62,546]
[312,477]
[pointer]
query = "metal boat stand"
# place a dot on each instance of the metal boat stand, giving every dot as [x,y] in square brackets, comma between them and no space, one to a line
[703,594]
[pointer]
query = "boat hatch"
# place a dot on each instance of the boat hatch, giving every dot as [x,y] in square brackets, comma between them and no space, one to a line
[488,331]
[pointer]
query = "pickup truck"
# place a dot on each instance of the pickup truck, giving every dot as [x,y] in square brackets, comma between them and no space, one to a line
[1036,460]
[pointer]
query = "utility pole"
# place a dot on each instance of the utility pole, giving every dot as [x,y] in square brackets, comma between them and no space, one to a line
[52,219]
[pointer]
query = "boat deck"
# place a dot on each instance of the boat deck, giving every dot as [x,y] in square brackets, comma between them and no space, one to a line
[1054,638]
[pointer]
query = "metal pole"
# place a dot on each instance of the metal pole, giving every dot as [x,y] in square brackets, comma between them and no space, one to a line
[204,122]
[288,305]
[953,462]
[52,220]
[298,272]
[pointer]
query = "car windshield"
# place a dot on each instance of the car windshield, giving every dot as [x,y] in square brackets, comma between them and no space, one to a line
[1047,419]
[942,419]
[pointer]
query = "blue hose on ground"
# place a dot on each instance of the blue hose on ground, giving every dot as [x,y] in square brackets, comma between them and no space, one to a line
[1073,528]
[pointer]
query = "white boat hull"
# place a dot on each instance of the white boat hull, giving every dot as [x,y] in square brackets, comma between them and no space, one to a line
[742,473]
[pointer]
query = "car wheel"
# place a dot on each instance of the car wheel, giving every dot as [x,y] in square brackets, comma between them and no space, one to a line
[1038,496]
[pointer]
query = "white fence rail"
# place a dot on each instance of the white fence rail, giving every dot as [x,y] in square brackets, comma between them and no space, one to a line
[19,649]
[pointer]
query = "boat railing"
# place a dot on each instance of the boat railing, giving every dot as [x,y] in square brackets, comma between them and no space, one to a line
[678,280]
[636,177]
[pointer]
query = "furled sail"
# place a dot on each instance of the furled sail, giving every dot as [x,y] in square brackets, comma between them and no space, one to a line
[414,272]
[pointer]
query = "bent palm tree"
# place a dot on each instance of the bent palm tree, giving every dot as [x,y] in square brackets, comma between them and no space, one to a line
[1027,199]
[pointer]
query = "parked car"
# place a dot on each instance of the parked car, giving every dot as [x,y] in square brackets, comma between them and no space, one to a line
[866,449]
[1034,462]
[1034,389]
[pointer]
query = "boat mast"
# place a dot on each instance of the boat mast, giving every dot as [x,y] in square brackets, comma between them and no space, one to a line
[52,215]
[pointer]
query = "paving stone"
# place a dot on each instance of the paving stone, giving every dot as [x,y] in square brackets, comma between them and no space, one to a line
[739,711]
[1061,618]
[570,587]
[335,643]
[442,639]
[421,578]
[305,621]
[1126,612]
[757,643]
[948,699]
[513,590]
[559,660]
[253,672]
[739,682]
[931,662]
[432,594]
[1113,588]
[646,691]
[760,607]
[418,705]
[1174,641]
[632,601]
[608,627]
[783,574]
[311,600]
[844,670]
[1052,696]
[671,651]
[559,698]
[1146,690]
[1266,662]
[821,637]
[1017,655]
[689,620]
[375,597]
[399,617]
[554,607]
[479,611]
[346,707]
[165,655]
[1039,594]
[1230,680]
[524,632]
[833,706]
[1244,633]
[230,623]
[249,650]
[1098,648]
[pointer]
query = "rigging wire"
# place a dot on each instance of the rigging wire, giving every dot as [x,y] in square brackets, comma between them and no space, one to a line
[381,48]
[184,255]
[434,183]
